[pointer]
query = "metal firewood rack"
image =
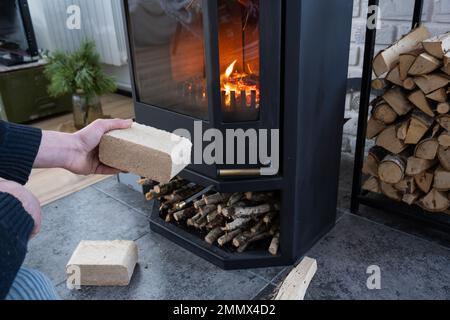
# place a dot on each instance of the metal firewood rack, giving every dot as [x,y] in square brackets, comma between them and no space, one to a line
[438,221]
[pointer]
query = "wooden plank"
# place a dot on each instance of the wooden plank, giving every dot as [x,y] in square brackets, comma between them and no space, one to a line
[297,282]
[49,185]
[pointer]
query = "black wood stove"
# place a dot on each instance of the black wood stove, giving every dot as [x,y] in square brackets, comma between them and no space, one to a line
[249,65]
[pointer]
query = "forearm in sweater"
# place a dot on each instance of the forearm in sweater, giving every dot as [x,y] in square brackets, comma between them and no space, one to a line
[19,146]
[16,226]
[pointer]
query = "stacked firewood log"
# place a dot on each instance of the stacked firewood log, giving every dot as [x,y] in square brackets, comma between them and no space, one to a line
[239,220]
[410,122]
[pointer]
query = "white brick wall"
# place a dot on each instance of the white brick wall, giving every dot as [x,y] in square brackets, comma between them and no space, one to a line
[396,18]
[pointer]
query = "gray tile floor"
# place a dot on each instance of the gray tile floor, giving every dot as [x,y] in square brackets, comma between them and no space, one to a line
[412,267]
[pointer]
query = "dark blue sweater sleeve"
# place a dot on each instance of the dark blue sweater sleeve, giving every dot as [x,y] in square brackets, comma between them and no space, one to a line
[19,146]
[16,226]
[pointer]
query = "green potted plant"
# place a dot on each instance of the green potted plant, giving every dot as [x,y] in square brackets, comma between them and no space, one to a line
[80,74]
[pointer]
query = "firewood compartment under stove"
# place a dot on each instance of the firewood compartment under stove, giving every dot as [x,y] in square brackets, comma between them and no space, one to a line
[249,65]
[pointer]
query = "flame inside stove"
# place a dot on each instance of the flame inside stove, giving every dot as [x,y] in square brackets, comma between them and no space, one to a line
[230,69]
[234,84]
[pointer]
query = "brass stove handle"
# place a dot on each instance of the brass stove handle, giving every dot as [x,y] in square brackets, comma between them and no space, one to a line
[240,172]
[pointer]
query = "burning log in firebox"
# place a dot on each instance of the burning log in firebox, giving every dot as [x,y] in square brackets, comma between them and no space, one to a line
[239,89]
[238,221]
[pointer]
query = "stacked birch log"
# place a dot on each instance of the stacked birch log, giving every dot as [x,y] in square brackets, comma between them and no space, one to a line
[238,221]
[410,122]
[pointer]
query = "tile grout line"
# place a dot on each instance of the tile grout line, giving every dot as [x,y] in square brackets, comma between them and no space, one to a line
[142,236]
[261,290]
[279,274]
[397,230]
[62,282]
[342,215]
[258,276]
[122,202]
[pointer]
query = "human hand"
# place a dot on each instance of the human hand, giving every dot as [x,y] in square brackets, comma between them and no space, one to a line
[29,202]
[84,158]
[77,152]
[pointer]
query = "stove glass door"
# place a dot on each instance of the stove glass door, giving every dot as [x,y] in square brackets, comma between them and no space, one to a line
[239,50]
[169,60]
